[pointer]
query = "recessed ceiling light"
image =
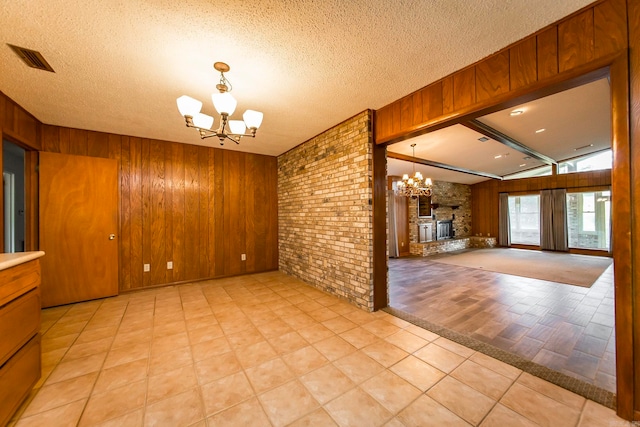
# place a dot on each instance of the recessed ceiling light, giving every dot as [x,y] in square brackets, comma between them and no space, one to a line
[524,164]
[540,130]
[483,139]
[516,112]
[498,156]
[526,158]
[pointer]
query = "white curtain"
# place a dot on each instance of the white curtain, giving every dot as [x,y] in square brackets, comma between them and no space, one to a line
[393,232]
[504,238]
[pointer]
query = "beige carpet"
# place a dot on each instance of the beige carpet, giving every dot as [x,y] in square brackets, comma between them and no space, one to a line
[580,270]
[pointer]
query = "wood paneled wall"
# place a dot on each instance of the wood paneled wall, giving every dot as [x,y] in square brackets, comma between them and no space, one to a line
[485,199]
[593,33]
[199,207]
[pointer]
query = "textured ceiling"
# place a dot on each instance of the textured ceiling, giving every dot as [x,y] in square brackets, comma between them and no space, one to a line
[307,65]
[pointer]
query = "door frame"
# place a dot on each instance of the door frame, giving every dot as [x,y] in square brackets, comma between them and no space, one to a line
[614,67]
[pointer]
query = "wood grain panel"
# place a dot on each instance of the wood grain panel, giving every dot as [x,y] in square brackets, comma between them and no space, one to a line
[18,124]
[464,88]
[406,112]
[157,213]
[219,185]
[396,114]
[628,297]
[384,122]
[484,195]
[610,26]
[135,194]
[416,100]
[432,101]
[145,191]
[79,146]
[234,203]
[50,139]
[251,171]
[168,208]
[125,215]
[260,222]
[178,211]
[576,41]
[79,201]
[211,217]
[98,144]
[492,76]
[447,95]
[523,65]
[203,212]
[192,208]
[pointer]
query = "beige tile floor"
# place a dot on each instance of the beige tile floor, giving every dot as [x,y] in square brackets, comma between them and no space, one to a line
[269,350]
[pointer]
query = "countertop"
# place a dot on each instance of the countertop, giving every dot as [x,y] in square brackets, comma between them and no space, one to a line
[11,260]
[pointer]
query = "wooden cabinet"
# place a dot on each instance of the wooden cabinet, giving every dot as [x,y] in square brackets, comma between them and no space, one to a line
[19,329]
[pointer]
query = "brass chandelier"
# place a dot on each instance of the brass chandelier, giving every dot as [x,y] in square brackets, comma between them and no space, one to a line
[225,104]
[416,185]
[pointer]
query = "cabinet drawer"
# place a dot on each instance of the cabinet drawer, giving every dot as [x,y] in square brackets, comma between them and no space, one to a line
[17,376]
[19,321]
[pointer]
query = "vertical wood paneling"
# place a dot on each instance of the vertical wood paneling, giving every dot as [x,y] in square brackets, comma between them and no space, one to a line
[432,101]
[523,66]
[211,217]
[157,212]
[50,139]
[146,192]
[203,212]
[178,210]
[168,208]
[271,201]
[464,88]
[192,209]
[260,222]
[384,120]
[610,26]
[219,184]
[627,341]
[447,95]
[115,146]
[125,215]
[17,123]
[234,204]
[79,138]
[98,144]
[250,172]
[406,112]
[485,200]
[416,100]
[135,195]
[396,114]
[492,76]
[576,41]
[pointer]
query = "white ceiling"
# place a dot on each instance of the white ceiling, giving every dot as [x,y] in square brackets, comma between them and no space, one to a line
[307,65]
[575,122]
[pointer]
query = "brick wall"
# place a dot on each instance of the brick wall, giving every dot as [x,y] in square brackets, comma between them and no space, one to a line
[445,194]
[325,217]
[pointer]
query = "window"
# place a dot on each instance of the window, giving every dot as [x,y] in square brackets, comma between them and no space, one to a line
[524,219]
[589,220]
[589,162]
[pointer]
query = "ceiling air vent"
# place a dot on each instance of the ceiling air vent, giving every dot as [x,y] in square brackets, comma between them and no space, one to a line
[32,58]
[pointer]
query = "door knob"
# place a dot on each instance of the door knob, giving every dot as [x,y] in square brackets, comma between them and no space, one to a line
[112,236]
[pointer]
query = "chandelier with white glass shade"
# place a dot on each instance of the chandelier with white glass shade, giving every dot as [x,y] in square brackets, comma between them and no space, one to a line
[414,186]
[225,105]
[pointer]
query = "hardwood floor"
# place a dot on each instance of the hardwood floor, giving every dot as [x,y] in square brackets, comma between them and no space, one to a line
[567,328]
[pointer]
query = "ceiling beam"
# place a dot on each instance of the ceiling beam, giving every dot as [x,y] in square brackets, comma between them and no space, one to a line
[398,156]
[507,140]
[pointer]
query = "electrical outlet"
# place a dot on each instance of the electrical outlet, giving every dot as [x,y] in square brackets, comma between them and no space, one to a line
[147,268]
[243,257]
[169,265]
